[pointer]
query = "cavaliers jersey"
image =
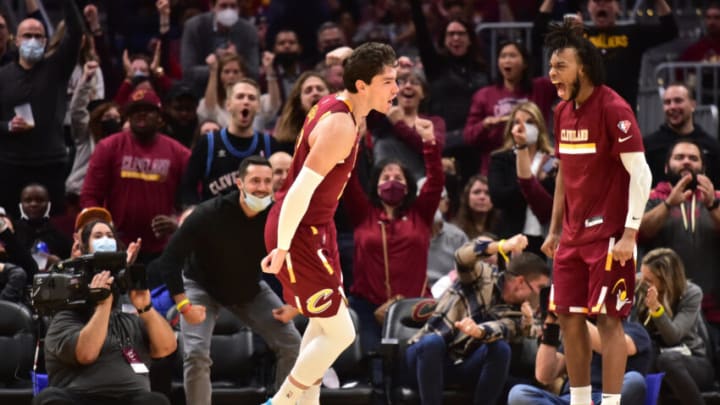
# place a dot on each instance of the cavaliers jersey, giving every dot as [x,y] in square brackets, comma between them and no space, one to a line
[590,140]
[325,198]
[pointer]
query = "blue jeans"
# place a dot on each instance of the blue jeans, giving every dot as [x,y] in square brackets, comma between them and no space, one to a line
[485,370]
[633,392]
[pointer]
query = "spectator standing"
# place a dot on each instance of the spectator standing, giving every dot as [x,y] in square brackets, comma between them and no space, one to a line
[621,46]
[477,214]
[522,176]
[135,174]
[492,105]
[309,88]
[707,48]
[32,144]
[220,31]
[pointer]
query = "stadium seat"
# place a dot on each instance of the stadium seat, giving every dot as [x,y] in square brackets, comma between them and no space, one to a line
[17,345]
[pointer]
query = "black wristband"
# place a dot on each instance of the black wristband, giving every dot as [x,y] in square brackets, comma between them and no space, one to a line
[551,334]
[519,147]
[714,205]
[146,309]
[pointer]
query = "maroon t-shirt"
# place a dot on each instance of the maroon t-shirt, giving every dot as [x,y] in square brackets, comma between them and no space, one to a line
[590,141]
[325,199]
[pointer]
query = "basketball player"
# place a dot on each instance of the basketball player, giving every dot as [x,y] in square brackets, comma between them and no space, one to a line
[601,189]
[300,233]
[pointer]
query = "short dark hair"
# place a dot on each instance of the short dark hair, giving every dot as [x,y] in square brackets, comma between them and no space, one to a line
[328,25]
[366,61]
[251,160]
[566,35]
[680,140]
[528,265]
[409,179]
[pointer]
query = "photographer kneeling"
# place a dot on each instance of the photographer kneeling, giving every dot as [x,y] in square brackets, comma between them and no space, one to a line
[96,354]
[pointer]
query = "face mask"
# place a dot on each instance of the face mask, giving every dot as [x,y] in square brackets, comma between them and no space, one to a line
[286,58]
[392,192]
[228,17]
[139,73]
[531,132]
[257,204]
[32,50]
[110,126]
[104,244]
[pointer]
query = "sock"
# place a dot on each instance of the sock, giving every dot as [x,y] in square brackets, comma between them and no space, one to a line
[311,396]
[610,399]
[288,394]
[580,395]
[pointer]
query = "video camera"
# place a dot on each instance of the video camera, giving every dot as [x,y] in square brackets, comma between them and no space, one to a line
[66,285]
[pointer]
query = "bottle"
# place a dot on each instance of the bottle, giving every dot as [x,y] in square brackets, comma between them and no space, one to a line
[40,253]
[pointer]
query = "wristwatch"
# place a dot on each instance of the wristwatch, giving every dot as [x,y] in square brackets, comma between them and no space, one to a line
[714,205]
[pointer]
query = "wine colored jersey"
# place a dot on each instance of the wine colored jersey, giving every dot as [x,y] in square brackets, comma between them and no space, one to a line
[590,140]
[325,198]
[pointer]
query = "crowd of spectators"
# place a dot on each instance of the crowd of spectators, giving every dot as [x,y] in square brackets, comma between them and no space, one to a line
[146,108]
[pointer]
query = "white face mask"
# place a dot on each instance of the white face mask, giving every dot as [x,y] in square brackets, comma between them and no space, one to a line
[228,17]
[531,132]
[257,204]
[104,244]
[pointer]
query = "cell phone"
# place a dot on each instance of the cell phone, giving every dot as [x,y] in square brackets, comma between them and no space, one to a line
[138,277]
[549,166]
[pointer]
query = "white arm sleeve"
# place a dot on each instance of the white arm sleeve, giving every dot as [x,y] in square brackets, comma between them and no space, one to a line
[640,182]
[296,204]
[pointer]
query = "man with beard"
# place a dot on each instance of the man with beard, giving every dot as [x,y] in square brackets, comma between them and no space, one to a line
[621,46]
[682,214]
[212,262]
[678,106]
[180,114]
[215,157]
[135,174]
[601,190]
[288,67]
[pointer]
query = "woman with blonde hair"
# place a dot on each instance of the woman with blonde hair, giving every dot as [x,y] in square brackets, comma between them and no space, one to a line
[522,176]
[669,307]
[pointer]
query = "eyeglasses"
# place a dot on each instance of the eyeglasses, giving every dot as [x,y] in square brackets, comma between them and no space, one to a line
[534,292]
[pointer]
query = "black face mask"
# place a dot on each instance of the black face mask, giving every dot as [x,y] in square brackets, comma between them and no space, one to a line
[286,58]
[110,126]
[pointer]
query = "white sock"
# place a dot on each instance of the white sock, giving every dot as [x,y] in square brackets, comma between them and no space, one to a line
[579,395]
[610,399]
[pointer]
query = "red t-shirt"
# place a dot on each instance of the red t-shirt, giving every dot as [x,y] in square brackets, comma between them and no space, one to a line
[590,141]
[325,199]
[135,182]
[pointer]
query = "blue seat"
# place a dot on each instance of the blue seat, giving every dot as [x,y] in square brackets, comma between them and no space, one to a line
[652,392]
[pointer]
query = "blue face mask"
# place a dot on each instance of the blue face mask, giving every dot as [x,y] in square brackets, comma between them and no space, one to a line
[104,244]
[32,50]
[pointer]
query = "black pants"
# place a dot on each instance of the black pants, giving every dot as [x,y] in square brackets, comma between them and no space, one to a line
[59,396]
[685,376]
[13,178]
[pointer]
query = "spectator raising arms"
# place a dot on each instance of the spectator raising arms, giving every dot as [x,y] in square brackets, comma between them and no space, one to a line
[392,229]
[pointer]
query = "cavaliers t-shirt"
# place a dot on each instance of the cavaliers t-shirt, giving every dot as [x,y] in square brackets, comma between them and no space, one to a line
[590,141]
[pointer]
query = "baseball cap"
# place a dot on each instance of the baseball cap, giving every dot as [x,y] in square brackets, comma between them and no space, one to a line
[142,98]
[90,214]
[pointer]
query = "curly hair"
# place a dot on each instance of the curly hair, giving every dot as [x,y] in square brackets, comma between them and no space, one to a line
[566,35]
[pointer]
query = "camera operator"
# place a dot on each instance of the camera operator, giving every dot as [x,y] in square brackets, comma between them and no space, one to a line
[98,354]
[682,214]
